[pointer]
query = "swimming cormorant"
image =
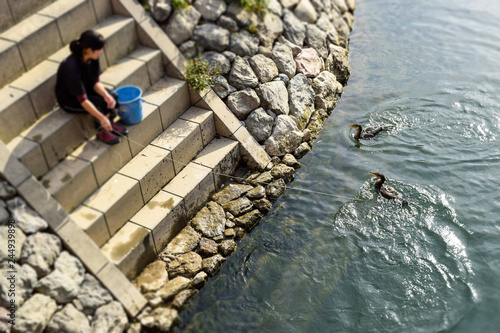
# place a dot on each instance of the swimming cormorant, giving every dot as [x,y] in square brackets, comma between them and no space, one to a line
[386,191]
[367,133]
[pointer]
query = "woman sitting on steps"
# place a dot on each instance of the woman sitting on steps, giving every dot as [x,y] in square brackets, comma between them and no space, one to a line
[79,90]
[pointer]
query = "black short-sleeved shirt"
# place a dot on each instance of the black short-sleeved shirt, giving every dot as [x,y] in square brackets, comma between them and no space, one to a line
[76,78]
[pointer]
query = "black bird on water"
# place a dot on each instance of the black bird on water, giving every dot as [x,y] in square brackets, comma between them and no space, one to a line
[386,191]
[369,132]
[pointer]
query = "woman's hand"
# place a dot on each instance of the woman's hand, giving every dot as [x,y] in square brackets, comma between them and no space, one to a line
[105,123]
[110,101]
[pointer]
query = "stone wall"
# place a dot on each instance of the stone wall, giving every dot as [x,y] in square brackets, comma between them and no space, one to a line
[50,288]
[276,71]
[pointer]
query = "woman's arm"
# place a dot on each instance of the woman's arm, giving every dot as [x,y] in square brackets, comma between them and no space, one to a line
[90,108]
[99,89]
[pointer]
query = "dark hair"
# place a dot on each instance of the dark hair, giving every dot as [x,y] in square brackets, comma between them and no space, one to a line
[88,39]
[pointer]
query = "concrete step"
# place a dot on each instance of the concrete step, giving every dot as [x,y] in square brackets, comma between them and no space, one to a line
[144,175]
[59,133]
[45,32]
[149,231]
[104,160]
[32,95]
[12,12]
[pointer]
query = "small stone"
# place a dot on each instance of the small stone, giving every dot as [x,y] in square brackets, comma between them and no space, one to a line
[155,301]
[208,247]
[309,62]
[160,319]
[110,318]
[227,247]
[187,265]
[212,265]
[229,216]
[134,328]
[257,193]
[301,150]
[219,238]
[283,171]
[68,320]
[185,241]
[229,233]
[264,67]
[290,160]
[230,192]
[275,189]
[182,298]
[263,205]
[238,206]
[239,233]
[262,179]
[228,23]
[199,280]
[229,223]
[153,277]
[172,287]
[249,220]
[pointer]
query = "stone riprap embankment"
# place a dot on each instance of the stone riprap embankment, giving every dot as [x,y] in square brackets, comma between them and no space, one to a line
[276,70]
[51,289]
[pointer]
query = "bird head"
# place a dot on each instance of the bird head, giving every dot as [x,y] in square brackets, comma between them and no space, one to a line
[378,175]
[355,126]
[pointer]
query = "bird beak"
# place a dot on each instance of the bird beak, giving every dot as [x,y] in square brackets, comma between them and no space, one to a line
[371,173]
[352,126]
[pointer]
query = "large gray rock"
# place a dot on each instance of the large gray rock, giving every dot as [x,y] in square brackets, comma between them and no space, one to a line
[6,191]
[244,44]
[243,102]
[264,67]
[69,320]
[172,287]
[187,265]
[160,319]
[275,7]
[217,61]
[283,171]
[160,10]
[211,37]
[340,6]
[92,295]
[241,75]
[338,63]
[301,99]
[238,206]
[305,11]
[270,28]
[289,3]
[208,247]
[293,29]
[210,220]
[316,38]
[274,96]
[249,220]
[301,150]
[244,18]
[181,24]
[34,315]
[309,62]
[230,192]
[63,283]
[257,193]
[185,241]
[327,91]
[40,251]
[283,58]
[153,277]
[222,87]
[210,10]
[25,281]
[110,318]
[285,137]
[199,280]
[182,298]
[260,125]
[212,265]
[26,218]
[13,245]
[349,19]
[351,5]
[226,247]
[228,23]
[275,189]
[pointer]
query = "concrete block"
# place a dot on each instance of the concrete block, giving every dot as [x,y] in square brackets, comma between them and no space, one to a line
[105,159]
[78,242]
[195,184]
[122,289]
[11,168]
[153,168]
[37,37]
[183,138]
[153,60]
[222,156]
[118,199]
[131,249]
[72,16]
[164,215]
[205,119]
[226,122]
[102,9]
[120,36]
[141,134]
[128,8]
[70,182]
[62,54]
[251,152]
[39,82]
[92,222]
[58,133]
[6,18]
[10,58]
[43,203]
[127,71]
[16,113]
[172,98]
[22,9]
[30,154]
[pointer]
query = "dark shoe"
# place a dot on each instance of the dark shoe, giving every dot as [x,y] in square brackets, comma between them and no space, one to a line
[108,137]
[117,129]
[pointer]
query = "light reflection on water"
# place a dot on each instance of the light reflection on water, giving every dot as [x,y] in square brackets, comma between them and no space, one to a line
[322,263]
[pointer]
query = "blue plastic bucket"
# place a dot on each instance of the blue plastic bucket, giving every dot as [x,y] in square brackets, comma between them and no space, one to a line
[130,100]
